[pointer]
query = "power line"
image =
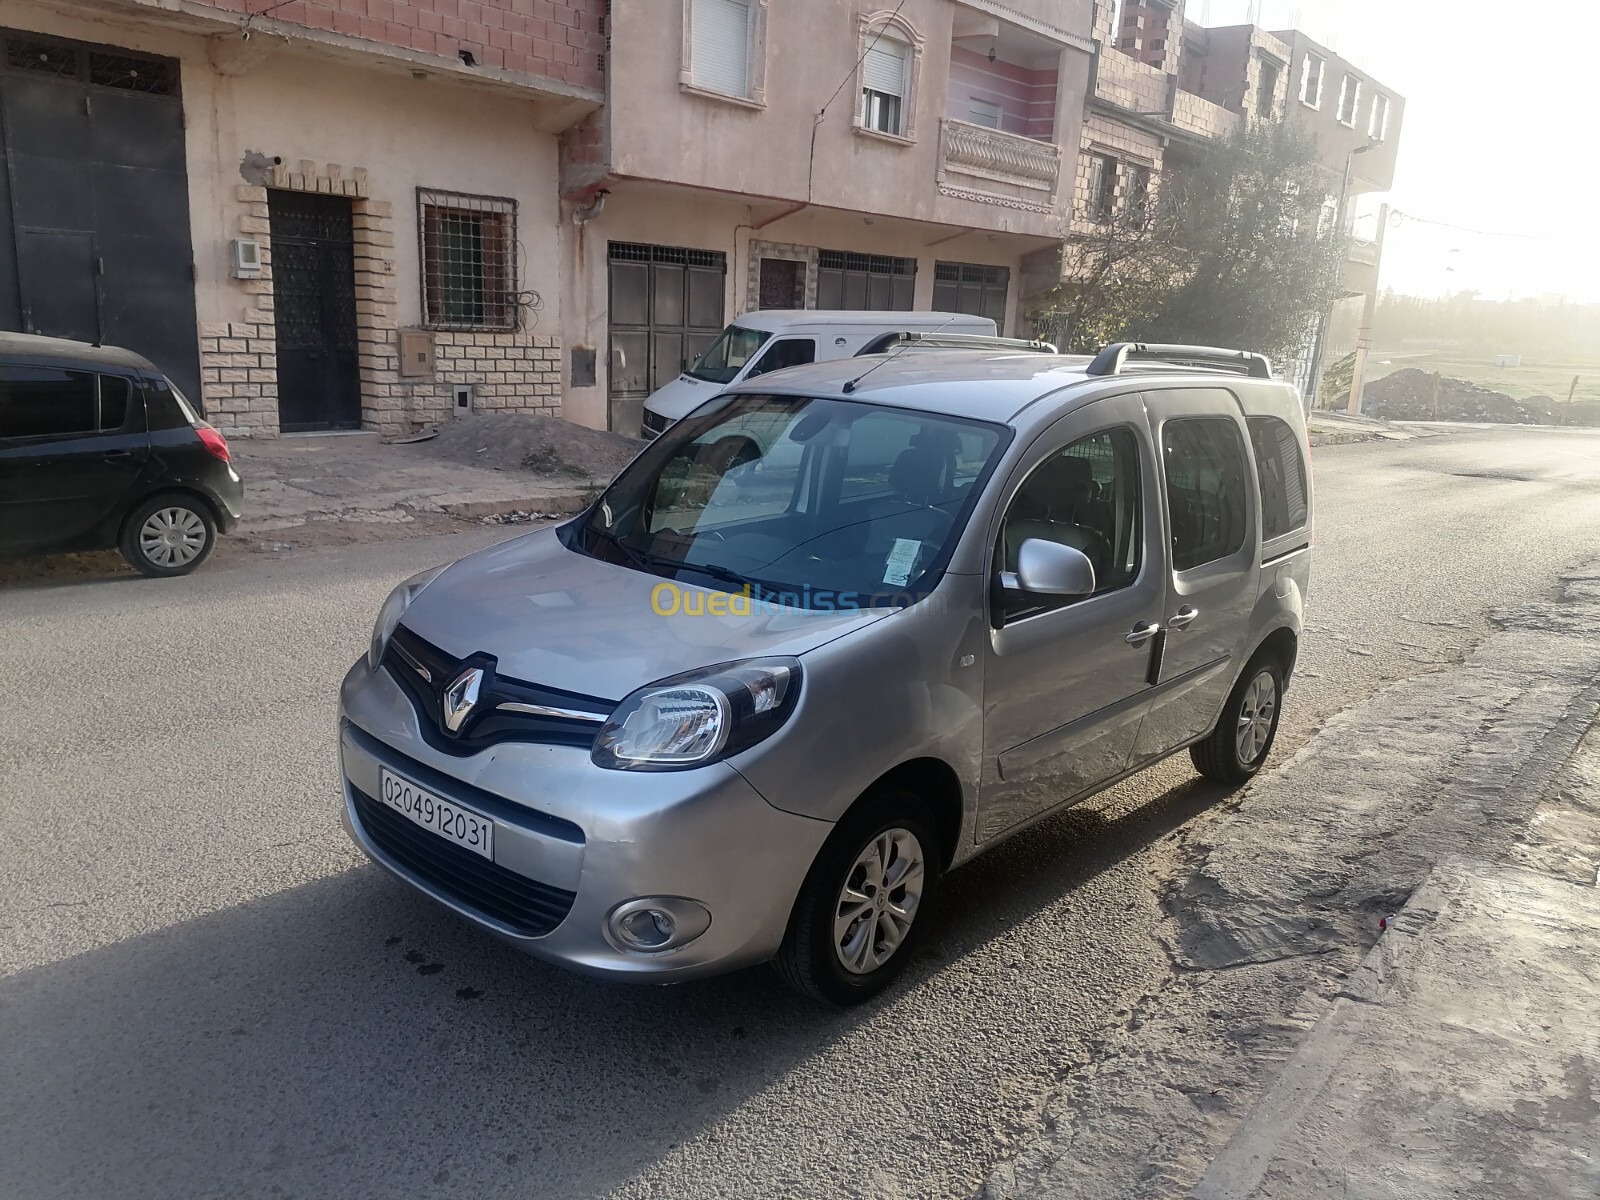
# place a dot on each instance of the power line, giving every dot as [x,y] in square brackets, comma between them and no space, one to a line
[1401,217]
[811,161]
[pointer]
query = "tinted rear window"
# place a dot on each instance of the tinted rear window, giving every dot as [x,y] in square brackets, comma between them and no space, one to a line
[1282,469]
[1207,495]
[45,402]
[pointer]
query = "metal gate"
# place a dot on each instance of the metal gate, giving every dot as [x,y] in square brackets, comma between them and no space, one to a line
[94,200]
[666,307]
[314,310]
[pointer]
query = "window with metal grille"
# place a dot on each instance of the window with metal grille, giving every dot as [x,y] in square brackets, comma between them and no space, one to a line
[152,76]
[469,261]
[875,282]
[683,256]
[47,58]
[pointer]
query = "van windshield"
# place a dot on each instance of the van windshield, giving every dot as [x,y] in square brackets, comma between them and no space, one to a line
[727,356]
[810,503]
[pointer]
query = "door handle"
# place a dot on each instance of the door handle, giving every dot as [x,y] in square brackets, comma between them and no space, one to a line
[117,455]
[1183,618]
[1142,633]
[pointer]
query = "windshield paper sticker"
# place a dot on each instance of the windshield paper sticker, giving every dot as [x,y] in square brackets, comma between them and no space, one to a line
[898,567]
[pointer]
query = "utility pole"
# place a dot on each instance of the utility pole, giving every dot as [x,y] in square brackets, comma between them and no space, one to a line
[1436,395]
[1566,413]
[1369,310]
[1341,229]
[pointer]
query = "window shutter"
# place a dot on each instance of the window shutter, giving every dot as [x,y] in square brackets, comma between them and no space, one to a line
[721,45]
[884,68]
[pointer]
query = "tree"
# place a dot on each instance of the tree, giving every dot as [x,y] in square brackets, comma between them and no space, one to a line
[1237,249]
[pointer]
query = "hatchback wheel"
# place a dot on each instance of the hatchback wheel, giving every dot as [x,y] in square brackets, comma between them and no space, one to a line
[863,903]
[1243,738]
[168,535]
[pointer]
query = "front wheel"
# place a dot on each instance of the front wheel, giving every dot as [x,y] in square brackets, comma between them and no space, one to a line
[863,903]
[1243,738]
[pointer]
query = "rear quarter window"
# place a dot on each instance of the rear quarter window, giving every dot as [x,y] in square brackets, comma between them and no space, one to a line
[1282,469]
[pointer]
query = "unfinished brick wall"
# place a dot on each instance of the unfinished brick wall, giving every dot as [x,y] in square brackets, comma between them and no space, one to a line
[556,39]
[518,371]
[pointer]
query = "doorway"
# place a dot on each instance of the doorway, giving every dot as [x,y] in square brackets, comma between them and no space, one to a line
[666,307]
[314,311]
[94,200]
[783,283]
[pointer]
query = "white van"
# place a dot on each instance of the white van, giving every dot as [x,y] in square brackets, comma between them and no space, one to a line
[775,338]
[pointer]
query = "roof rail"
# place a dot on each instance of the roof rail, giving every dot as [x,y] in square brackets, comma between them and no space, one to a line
[952,341]
[1114,358]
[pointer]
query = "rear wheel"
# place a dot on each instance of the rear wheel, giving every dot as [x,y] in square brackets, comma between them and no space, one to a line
[863,903]
[168,535]
[1243,738]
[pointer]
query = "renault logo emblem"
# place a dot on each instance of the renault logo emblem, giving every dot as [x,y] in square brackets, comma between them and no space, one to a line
[460,698]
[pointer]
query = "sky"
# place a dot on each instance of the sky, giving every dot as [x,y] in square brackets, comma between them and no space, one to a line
[1499,137]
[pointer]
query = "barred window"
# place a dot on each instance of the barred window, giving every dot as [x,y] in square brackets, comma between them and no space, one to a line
[469,260]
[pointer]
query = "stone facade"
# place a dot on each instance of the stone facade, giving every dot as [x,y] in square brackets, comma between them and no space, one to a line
[508,372]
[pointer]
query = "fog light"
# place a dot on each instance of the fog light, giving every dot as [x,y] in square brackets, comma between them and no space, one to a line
[656,924]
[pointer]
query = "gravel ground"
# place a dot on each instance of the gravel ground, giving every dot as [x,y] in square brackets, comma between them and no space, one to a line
[543,445]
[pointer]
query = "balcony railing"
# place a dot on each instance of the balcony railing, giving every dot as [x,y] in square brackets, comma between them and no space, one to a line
[979,163]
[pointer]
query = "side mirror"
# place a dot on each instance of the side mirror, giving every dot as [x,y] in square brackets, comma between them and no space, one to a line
[1050,569]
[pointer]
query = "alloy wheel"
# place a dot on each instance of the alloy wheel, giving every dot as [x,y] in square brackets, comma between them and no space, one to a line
[1256,715]
[879,901]
[172,537]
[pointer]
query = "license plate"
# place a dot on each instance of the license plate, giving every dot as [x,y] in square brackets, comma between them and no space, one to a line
[467,828]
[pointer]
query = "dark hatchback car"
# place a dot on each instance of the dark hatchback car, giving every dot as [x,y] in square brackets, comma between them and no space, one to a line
[98,449]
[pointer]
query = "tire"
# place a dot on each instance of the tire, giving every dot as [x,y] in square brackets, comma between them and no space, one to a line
[168,535]
[814,961]
[1236,748]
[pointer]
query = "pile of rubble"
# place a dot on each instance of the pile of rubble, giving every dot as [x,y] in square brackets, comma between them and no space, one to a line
[1408,395]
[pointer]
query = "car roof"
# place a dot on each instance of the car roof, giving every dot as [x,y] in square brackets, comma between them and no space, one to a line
[774,320]
[981,384]
[34,348]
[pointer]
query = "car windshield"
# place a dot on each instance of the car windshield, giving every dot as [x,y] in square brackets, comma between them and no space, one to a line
[811,503]
[726,356]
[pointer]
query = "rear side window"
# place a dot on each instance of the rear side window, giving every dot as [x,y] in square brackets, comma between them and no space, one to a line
[115,395]
[46,402]
[1207,497]
[1282,469]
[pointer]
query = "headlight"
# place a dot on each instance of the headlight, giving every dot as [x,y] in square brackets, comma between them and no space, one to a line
[698,717]
[393,608]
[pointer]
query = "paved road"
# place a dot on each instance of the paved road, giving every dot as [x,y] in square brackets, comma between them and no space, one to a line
[205,992]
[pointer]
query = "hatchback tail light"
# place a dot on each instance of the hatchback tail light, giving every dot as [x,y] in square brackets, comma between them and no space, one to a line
[214,442]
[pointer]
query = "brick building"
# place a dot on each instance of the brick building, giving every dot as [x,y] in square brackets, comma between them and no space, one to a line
[261,196]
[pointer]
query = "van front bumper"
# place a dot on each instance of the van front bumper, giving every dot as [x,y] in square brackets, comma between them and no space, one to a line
[572,841]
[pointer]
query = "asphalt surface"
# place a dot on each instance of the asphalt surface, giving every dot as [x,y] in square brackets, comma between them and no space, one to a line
[204,991]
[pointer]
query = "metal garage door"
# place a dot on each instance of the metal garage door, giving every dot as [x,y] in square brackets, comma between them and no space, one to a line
[94,200]
[666,307]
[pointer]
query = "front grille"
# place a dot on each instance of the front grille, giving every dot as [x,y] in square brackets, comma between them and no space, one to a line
[408,657]
[653,424]
[525,905]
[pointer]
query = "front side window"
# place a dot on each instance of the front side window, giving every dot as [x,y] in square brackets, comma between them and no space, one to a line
[786,352]
[1282,470]
[720,45]
[469,266]
[814,503]
[46,402]
[1207,495]
[1087,497]
[1311,82]
[727,356]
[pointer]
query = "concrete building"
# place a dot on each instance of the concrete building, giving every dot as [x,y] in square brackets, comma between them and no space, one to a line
[1163,88]
[262,196]
[753,154]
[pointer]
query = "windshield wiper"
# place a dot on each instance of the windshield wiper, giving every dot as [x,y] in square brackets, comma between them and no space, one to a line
[643,558]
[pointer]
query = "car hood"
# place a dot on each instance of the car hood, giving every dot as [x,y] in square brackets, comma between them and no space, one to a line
[558,618]
[680,397]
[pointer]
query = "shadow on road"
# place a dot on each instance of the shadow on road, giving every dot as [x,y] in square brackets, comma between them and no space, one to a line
[345,1038]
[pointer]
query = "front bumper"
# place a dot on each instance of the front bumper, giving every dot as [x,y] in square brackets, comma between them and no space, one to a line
[599,837]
